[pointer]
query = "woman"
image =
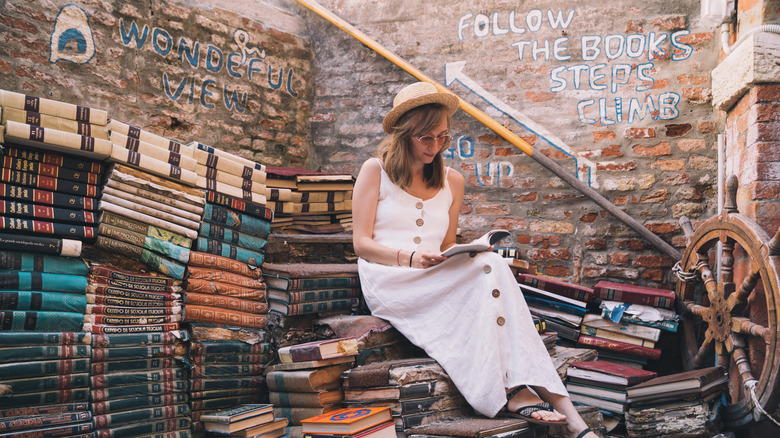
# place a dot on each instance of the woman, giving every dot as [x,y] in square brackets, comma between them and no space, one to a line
[466,312]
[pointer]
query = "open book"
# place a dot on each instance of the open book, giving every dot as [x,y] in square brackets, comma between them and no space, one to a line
[477,245]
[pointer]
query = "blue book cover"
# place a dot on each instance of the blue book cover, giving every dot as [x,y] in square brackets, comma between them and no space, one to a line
[556,305]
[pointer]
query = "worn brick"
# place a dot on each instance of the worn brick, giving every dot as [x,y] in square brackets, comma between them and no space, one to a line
[617,167]
[541,255]
[527,197]
[509,223]
[662,148]
[701,162]
[559,271]
[652,261]
[619,259]
[596,244]
[706,127]
[603,135]
[611,151]
[523,239]
[659,196]
[691,144]
[552,227]
[639,133]
[546,240]
[668,165]
[491,209]
[689,209]
[656,275]
[663,227]
[589,217]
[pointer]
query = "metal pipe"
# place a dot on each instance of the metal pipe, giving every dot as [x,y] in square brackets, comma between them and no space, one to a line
[499,129]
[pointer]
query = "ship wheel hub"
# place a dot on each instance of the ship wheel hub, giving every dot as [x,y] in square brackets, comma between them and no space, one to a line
[720,319]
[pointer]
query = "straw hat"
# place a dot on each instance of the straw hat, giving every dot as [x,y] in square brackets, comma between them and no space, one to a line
[414,95]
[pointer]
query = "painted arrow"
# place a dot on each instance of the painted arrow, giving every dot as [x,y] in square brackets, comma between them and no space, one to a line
[453,72]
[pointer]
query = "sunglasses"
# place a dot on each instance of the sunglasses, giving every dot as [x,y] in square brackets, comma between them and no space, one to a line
[429,140]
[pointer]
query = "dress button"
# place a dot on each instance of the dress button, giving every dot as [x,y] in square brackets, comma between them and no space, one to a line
[486,269]
[419,205]
[420,222]
[500,320]
[417,239]
[496,293]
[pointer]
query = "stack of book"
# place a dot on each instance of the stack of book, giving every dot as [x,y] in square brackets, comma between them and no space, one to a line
[151,153]
[246,420]
[630,347]
[131,302]
[298,289]
[39,369]
[69,419]
[418,391]
[603,384]
[139,384]
[562,305]
[681,404]
[307,382]
[149,219]
[317,202]
[343,423]
[634,334]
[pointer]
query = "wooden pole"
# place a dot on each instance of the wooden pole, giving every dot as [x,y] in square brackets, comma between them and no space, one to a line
[499,129]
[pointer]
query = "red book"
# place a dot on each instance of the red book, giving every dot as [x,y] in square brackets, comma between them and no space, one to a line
[568,290]
[621,347]
[628,293]
[608,372]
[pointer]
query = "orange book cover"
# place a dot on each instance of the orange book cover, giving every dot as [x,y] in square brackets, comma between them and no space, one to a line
[347,420]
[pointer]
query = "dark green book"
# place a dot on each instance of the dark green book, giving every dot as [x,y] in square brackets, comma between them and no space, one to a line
[227,359]
[54,431]
[147,427]
[18,370]
[140,415]
[313,307]
[210,384]
[116,366]
[223,402]
[310,296]
[170,250]
[141,402]
[233,252]
[139,339]
[43,281]
[30,262]
[218,393]
[43,301]
[37,411]
[109,218]
[235,347]
[15,339]
[45,398]
[137,377]
[232,237]
[42,384]
[17,354]
[226,370]
[239,205]
[237,221]
[125,353]
[286,282]
[160,264]
[160,388]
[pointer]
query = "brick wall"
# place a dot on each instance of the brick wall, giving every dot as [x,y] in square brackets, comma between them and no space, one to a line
[185,70]
[519,66]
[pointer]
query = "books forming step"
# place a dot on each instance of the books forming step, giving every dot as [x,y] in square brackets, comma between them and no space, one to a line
[606,372]
[60,141]
[53,122]
[158,153]
[479,244]
[54,159]
[53,107]
[628,293]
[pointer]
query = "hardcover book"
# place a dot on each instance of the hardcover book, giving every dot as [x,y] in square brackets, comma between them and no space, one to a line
[166,206]
[42,321]
[206,274]
[154,151]
[271,429]
[688,380]
[639,331]
[310,380]
[347,420]
[212,261]
[398,392]
[211,246]
[607,372]
[31,262]
[319,350]
[237,413]
[239,304]
[35,211]
[306,399]
[234,220]
[607,344]
[225,289]
[562,288]
[41,281]
[184,204]
[482,243]
[53,107]
[46,197]
[60,141]
[343,305]
[115,126]
[13,177]
[142,216]
[44,338]
[35,368]
[311,276]
[159,185]
[229,347]
[152,165]
[24,226]
[616,336]
[54,122]
[634,294]
[255,210]
[311,296]
[54,159]
[49,170]
[216,315]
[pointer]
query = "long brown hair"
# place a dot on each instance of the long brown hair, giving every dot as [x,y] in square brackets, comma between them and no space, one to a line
[395,151]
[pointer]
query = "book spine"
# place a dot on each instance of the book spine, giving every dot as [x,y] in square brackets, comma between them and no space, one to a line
[55,159]
[140,402]
[129,302]
[137,340]
[155,195]
[216,315]
[46,197]
[309,296]
[236,238]
[620,347]
[27,179]
[230,383]
[32,369]
[321,306]
[224,302]
[632,297]
[236,221]
[42,301]
[53,107]
[162,288]
[44,338]
[212,261]
[555,305]
[15,354]
[213,177]
[295,399]
[225,370]
[130,277]
[220,403]
[196,273]
[140,415]
[115,195]
[667,325]
[49,170]
[216,247]
[124,353]
[30,262]
[109,380]
[137,206]
[117,329]
[216,393]
[146,428]
[144,214]
[148,137]
[568,292]
[239,205]
[131,320]
[160,388]
[202,359]
[40,244]
[54,122]
[323,283]
[46,398]
[24,210]
[55,430]
[160,264]
[175,252]
[55,383]
[152,165]
[36,411]
[295,415]
[102,289]
[43,227]
[94,309]
[164,155]
[41,321]
[132,365]
[232,347]
[621,337]
[40,281]
[225,289]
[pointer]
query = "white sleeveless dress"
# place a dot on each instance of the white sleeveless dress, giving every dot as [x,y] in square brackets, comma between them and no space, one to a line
[467,313]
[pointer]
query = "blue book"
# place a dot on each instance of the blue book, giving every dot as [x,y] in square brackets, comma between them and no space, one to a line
[556,305]
[237,221]
[232,237]
[233,252]
[46,301]
[43,281]
[32,262]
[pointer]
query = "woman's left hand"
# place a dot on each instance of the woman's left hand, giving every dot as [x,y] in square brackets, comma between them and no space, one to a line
[426,259]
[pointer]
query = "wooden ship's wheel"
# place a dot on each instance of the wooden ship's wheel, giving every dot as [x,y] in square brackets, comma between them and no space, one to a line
[730,308]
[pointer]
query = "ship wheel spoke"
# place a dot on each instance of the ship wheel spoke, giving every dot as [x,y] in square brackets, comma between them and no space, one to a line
[696,309]
[735,345]
[746,327]
[727,266]
[705,350]
[737,301]
[703,266]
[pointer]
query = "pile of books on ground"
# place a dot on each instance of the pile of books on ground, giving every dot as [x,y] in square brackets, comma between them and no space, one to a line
[604,385]
[299,289]
[307,381]
[139,384]
[67,419]
[351,422]
[681,404]
[562,305]
[149,219]
[417,391]
[627,341]
[246,420]
[309,201]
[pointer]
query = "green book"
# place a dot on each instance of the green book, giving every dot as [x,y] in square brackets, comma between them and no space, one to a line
[39,411]
[43,301]
[140,402]
[43,384]
[138,377]
[124,353]
[232,237]
[147,427]
[162,247]
[230,359]
[219,371]
[235,220]
[222,402]
[41,321]
[235,347]
[210,384]
[43,281]
[111,420]
[314,307]
[233,252]
[17,354]
[45,398]
[8,339]
[160,388]
[31,262]
[115,366]
[139,339]
[18,370]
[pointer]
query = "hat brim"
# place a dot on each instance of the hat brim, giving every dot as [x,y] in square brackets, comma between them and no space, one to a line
[448,100]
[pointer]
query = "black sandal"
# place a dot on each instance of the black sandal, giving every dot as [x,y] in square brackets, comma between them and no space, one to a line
[585,432]
[524,413]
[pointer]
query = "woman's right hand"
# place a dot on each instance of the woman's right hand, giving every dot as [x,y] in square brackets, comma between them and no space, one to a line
[426,259]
